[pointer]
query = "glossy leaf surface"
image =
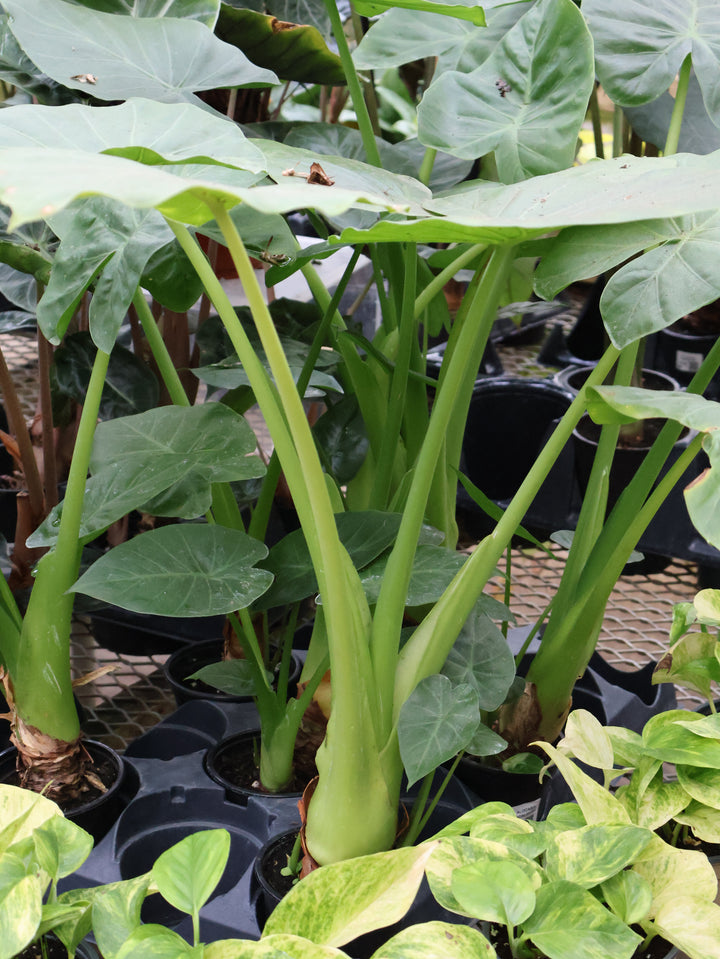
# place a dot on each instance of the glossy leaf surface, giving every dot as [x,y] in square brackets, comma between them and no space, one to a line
[182,570]
[570,923]
[495,891]
[343,900]
[592,854]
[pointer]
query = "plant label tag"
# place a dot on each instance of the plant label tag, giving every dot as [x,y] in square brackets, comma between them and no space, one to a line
[688,362]
[527,810]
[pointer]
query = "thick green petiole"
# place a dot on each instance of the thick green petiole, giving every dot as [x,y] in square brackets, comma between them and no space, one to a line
[353,781]
[42,681]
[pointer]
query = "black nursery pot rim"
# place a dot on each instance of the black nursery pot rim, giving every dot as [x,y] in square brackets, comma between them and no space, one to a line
[191,657]
[89,815]
[238,792]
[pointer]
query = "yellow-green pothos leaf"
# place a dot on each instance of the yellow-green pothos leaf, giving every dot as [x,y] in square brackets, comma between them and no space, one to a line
[344,900]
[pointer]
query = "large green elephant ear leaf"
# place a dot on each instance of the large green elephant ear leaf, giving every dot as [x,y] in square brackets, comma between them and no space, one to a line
[401,36]
[18,69]
[184,570]
[116,57]
[294,51]
[523,90]
[640,47]
[168,457]
[677,275]
[206,11]
[139,129]
[92,232]
[624,404]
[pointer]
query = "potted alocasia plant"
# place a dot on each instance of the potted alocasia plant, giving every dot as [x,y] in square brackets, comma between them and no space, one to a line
[373,678]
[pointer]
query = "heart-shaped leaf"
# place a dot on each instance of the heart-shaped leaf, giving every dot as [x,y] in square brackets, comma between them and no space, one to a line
[628,895]
[117,57]
[639,50]
[698,133]
[188,872]
[136,458]
[507,104]
[498,892]
[182,570]
[138,129]
[116,912]
[482,658]
[401,36]
[358,895]
[436,722]
[592,854]
[570,923]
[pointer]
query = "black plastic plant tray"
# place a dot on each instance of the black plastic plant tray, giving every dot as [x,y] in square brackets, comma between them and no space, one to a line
[174,796]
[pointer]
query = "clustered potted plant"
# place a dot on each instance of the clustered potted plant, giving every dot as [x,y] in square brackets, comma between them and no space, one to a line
[416,663]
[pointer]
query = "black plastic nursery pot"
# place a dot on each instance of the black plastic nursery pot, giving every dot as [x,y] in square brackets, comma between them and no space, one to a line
[508,422]
[680,349]
[670,533]
[175,797]
[97,814]
[616,697]
[232,764]
[490,365]
[530,327]
[141,634]
[187,660]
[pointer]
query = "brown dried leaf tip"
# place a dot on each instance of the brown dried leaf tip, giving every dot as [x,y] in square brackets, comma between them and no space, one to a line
[665,664]
[279,26]
[316,175]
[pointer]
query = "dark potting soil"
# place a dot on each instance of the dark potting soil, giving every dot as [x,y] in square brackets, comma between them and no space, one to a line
[648,432]
[238,765]
[53,949]
[702,322]
[274,861]
[103,767]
